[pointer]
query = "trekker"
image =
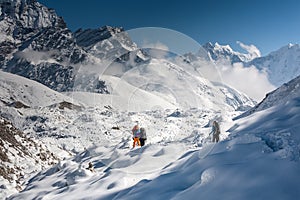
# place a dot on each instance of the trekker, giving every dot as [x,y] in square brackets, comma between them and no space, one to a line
[136,135]
[215,131]
[143,136]
[91,167]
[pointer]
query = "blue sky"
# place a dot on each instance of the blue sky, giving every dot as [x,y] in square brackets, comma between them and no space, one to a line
[267,24]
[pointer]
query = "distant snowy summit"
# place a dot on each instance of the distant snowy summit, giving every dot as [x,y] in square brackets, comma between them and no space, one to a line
[217,53]
[281,65]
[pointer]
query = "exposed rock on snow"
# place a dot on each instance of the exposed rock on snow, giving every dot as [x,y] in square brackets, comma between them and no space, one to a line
[20,156]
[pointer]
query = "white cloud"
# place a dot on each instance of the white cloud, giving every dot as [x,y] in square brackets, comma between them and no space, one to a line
[252,50]
[37,57]
[248,80]
[156,45]
[156,49]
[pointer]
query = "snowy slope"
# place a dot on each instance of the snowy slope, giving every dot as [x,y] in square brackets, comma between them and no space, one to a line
[15,88]
[281,65]
[182,87]
[178,161]
[279,96]
[247,165]
[123,97]
[20,156]
[172,101]
[83,119]
[67,127]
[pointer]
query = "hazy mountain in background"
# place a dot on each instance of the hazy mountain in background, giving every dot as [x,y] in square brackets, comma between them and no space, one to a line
[280,66]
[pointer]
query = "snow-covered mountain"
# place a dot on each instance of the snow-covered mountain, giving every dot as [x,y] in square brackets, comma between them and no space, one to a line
[224,53]
[281,66]
[182,87]
[106,42]
[111,44]
[109,83]
[35,43]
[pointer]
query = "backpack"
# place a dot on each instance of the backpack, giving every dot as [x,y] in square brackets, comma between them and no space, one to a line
[143,133]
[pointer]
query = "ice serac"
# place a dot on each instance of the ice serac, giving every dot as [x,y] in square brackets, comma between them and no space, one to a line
[35,43]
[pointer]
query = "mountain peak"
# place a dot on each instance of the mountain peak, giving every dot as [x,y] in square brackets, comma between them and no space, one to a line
[217,47]
[208,45]
[217,52]
[281,65]
[223,47]
[29,14]
[16,2]
[112,29]
[287,47]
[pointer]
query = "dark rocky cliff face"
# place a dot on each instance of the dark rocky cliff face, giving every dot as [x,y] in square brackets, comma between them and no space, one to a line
[36,43]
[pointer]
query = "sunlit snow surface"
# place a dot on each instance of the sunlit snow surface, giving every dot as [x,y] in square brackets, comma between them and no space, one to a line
[173,102]
[260,160]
